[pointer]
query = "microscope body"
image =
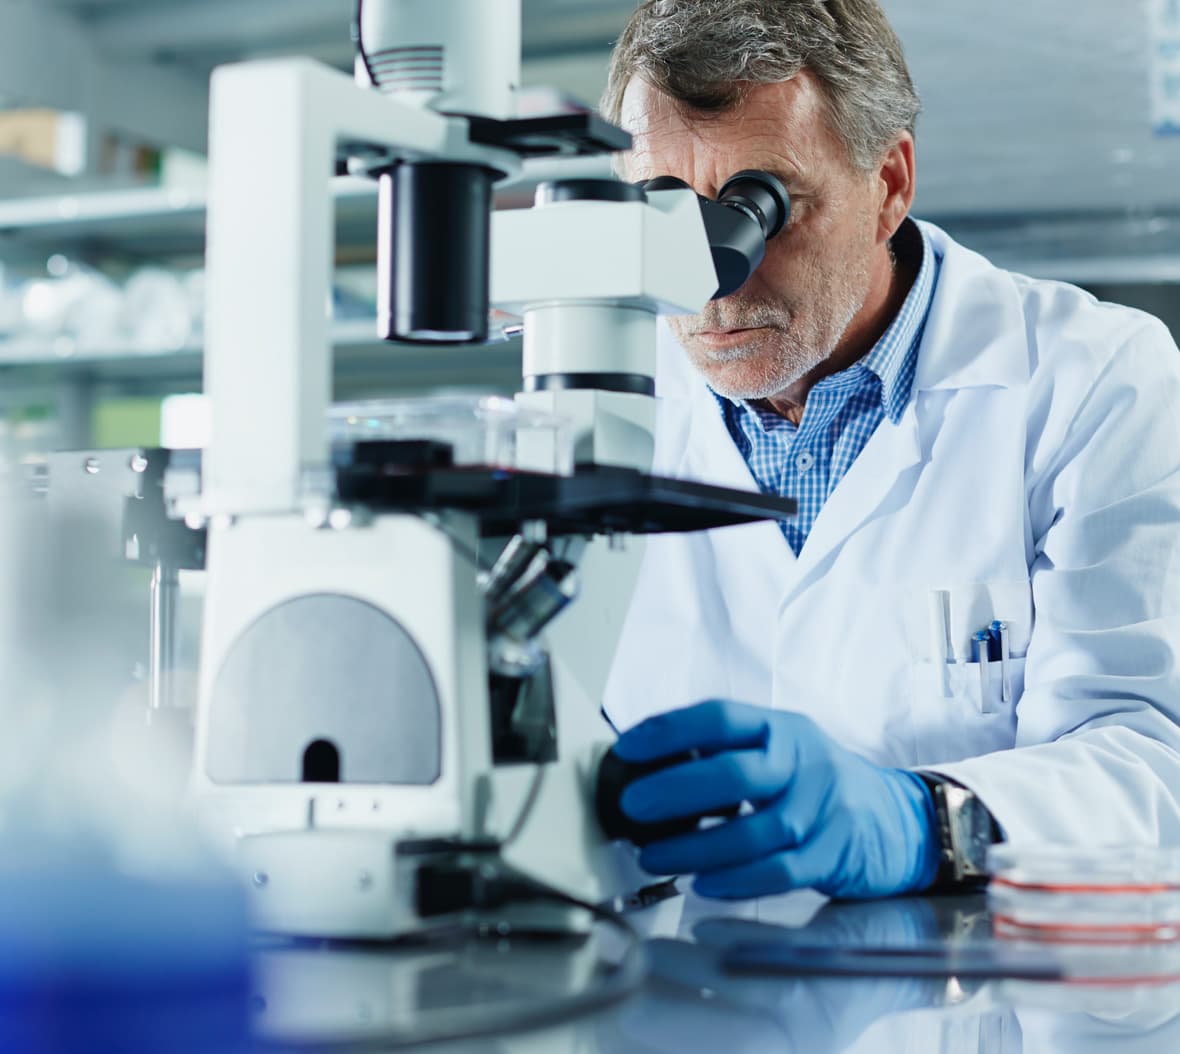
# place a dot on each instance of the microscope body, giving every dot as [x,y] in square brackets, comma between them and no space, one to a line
[329,723]
[344,735]
[372,705]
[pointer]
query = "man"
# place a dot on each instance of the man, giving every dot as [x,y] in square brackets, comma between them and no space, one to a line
[965,445]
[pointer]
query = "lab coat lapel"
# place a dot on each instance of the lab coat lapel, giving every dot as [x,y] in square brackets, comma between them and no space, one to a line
[975,332]
[973,338]
[881,477]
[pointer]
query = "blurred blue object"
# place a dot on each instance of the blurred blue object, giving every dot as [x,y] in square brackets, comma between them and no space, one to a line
[100,962]
[121,931]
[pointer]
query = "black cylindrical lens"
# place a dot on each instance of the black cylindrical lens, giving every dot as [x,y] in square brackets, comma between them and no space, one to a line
[763,195]
[432,252]
[531,607]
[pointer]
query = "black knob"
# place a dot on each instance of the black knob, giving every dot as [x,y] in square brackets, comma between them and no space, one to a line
[614,776]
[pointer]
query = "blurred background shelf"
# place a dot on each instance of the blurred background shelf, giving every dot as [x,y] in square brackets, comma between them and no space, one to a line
[147,223]
[1039,146]
[359,358]
[71,389]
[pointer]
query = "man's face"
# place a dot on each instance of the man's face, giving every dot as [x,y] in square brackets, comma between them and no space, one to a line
[802,301]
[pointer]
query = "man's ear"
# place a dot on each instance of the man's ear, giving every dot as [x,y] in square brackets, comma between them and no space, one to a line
[896,176]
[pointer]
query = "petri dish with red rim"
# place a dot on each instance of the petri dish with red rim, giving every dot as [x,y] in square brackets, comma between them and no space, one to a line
[1116,894]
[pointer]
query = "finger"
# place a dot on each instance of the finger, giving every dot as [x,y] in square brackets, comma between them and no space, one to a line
[708,785]
[812,865]
[713,726]
[739,841]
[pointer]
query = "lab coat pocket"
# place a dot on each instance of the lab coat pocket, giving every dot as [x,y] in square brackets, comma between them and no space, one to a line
[959,711]
[987,688]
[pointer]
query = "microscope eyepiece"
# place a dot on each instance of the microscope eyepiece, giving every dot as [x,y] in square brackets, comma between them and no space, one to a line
[750,209]
[761,194]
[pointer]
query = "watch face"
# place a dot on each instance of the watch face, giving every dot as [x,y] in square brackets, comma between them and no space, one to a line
[971,830]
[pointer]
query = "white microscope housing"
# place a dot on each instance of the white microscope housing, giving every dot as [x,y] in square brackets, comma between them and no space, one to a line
[349,726]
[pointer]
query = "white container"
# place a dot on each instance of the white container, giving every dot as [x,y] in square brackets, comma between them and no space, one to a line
[489,430]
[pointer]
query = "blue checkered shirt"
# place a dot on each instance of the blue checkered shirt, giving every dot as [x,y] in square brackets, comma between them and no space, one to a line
[806,461]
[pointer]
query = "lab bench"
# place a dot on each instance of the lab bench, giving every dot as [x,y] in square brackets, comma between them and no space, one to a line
[380,997]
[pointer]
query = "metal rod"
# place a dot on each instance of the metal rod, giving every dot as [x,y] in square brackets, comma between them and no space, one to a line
[162,646]
[513,563]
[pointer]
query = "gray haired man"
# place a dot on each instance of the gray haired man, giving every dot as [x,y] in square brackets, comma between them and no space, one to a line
[967,447]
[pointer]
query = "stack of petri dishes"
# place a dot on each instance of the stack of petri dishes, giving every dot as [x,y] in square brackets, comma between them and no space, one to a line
[1062,894]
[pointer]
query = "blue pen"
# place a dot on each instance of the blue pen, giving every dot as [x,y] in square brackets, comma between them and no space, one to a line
[999,635]
[981,642]
[993,641]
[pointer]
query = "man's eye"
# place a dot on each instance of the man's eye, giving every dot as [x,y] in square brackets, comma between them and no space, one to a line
[798,208]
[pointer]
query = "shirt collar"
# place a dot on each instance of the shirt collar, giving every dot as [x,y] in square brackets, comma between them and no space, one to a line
[893,359]
[895,356]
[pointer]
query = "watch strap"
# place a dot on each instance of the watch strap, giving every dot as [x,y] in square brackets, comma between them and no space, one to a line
[962,864]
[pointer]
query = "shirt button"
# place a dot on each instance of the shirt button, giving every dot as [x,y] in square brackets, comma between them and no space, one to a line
[804,461]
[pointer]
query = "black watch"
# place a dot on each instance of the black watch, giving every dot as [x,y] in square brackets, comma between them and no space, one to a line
[966,830]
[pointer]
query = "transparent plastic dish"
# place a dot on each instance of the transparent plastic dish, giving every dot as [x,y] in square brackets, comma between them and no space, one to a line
[485,430]
[1106,895]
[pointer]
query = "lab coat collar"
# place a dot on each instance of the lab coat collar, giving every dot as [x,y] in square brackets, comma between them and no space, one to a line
[974,337]
[975,333]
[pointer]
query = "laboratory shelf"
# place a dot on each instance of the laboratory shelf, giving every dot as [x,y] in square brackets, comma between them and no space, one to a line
[359,359]
[153,222]
[1121,246]
[162,221]
[1099,270]
[23,177]
[147,222]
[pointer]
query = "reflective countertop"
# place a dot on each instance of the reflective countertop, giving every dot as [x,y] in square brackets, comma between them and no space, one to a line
[1115,998]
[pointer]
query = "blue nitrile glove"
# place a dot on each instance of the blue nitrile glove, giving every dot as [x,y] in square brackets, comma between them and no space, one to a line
[822,816]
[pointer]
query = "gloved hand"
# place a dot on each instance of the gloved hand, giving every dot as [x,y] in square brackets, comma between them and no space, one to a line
[822,816]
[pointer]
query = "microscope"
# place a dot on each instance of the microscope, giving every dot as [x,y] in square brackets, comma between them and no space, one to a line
[403,651]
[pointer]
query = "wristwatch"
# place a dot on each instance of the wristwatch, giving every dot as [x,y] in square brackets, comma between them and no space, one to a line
[966,830]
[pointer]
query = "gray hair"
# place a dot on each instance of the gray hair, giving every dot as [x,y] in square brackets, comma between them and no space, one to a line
[707,54]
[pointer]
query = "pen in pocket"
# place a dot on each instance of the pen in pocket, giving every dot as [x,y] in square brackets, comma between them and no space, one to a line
[982,644]
[942,646]
[998,632]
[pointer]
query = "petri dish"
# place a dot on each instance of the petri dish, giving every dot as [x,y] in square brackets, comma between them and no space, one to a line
[1117,894]
[483,430]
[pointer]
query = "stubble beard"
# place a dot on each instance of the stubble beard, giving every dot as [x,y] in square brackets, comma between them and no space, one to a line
[784,345]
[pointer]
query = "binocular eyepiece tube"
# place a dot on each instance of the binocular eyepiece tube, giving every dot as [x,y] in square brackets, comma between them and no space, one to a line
[750,209]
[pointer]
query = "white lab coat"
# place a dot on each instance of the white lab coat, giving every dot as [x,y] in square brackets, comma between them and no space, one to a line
[1035,475]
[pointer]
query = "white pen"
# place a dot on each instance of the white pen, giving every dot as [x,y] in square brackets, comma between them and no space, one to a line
[982,639]
[1001,628]
[942,648]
